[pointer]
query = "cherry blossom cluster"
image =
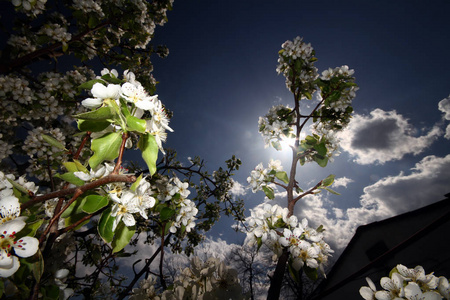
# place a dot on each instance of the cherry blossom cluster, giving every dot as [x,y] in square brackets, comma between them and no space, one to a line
[175,192]
[19,99]
[138,100]
[341,75]
[331,138]
[296,63]
[30,7]
[131,201]
[142,197]
[19,102]
[273,227]
[89,6]
[21,43]
[56,32]
[12,244]
[275,125]
[408,283]
[16,92]
[261,176]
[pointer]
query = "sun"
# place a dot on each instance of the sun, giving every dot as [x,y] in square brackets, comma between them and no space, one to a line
[287,142]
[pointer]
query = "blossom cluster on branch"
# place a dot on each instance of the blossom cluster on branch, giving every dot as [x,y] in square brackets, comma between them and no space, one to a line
[273,227]
[408,283]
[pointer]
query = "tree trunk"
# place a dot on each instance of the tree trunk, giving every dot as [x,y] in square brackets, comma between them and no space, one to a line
[277,279]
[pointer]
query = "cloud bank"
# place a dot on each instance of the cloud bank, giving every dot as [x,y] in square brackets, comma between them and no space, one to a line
[383,136]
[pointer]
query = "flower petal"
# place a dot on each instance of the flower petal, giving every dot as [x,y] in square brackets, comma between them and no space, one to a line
[82,175]
[92,102]
[128,219]
[12,226]
[366,293]
[9,208]
[6,271]
[26,246]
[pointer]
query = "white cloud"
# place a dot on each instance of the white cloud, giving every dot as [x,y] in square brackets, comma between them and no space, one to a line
[238,189]
[383,136]
[444,106]
[428,182]
[342,181]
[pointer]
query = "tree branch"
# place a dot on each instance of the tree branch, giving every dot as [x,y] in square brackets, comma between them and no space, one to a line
[88,186]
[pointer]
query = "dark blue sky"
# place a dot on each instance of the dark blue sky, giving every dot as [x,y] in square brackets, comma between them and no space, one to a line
[220,77]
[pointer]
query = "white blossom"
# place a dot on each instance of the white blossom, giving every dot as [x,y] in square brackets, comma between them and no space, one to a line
[10,246]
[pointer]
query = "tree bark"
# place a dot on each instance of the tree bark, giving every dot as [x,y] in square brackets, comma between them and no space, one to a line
[277,279]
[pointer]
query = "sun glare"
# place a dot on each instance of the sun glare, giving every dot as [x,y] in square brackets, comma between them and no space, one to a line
[287,142]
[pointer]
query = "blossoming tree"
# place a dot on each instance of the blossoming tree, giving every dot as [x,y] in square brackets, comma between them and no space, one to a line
[69,202]
[293,242]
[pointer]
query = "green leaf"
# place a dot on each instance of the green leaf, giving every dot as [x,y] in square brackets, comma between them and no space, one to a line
[88,85]
[38,267]
[35,264]
[269,192]
[136,124]
[74,208]
[149,149]
[321,149]
[134,186]
[282,175]
[93,21]
[293,272]
[105,148]
[165,230]
[80,166]
[307,95]
[166,213]
[92,125]
[102,113]
[53,142]
[30,228]
[70,178]
[70,166]
[331,191]
[259,243]
[329,180]
[18,186]
[51,292]
[94,202]
[310,272]
[112,79]
[122,236]
[311,140]
[276,145]
[321,160]
[105,226]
